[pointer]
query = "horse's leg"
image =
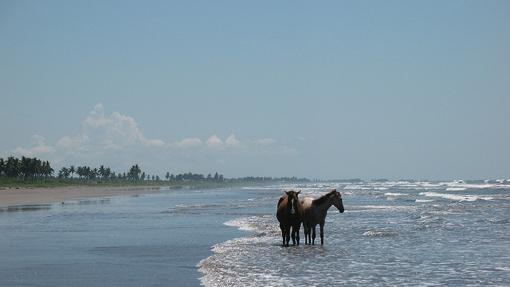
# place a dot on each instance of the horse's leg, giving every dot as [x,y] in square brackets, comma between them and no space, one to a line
[322,232]
[283,234]
[313,235]
[293,232]
[306,228]
[297,233]
[309,233]
[287,235]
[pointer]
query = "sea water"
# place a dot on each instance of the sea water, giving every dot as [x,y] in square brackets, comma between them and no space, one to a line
[147,240]
[391,233]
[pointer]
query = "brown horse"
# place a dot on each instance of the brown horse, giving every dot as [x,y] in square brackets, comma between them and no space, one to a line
[289,215]
[314,212]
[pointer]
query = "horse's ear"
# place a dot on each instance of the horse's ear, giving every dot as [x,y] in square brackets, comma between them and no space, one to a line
[298,192]
[286,192]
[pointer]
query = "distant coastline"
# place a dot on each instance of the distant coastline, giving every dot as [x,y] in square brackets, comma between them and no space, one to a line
[54,190]
[28,180]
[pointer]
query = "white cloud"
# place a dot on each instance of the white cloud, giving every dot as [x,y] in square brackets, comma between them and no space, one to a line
[114,131]
[189,142]
[116,140]
[214,141]
[266,141]
[98,132]
[40,147]
[232,140]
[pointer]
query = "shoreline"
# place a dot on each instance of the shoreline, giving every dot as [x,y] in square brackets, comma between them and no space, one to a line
[35,195]
[48,195]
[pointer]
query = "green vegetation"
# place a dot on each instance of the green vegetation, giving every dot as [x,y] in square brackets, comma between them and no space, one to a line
[33,172]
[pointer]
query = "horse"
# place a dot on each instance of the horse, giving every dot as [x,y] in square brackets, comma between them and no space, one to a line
[314,212]
[288,214]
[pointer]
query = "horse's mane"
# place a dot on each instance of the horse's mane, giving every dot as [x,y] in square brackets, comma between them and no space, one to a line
[279,201]
[323,198]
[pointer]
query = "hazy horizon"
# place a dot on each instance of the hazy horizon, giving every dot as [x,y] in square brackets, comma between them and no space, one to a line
[332,90]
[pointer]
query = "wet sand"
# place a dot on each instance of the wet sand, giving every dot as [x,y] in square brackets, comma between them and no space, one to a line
[43,195]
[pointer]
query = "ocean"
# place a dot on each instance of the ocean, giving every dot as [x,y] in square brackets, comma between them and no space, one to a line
[405,233]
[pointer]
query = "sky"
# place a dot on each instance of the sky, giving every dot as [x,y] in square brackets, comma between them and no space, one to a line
[320,89]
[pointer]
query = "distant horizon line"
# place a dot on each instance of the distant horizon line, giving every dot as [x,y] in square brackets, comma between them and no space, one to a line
[314,179]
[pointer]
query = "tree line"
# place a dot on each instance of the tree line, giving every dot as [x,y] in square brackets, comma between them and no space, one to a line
[25,168]
[134,173]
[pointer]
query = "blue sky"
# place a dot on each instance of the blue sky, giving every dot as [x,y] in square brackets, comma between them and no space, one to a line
[329,89]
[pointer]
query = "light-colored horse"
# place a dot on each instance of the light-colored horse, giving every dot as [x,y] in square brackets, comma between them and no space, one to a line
[314,212]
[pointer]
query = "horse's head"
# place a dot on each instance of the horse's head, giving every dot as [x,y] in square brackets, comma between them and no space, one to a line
[293,201]
[337,200]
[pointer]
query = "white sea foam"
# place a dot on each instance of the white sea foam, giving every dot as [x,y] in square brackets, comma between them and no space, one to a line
[456,197]
[365,208]
[394,194]
[423,200]
[231,263]
[400,196]
[503,268]
[358,187]
[456,188]
[241,224]
[380,233]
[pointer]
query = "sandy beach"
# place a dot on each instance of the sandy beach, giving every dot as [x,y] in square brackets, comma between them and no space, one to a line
[25,196]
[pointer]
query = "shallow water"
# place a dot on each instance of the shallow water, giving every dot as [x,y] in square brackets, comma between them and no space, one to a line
[119,241]
[392,233]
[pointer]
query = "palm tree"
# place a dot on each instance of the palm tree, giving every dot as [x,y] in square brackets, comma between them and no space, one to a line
[63,172]
[12,167]
[101,172]
[134,172]
[47,170]
[2,164]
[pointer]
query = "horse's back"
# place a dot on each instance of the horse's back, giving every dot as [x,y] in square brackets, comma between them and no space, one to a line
[306,202]
[307,209]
